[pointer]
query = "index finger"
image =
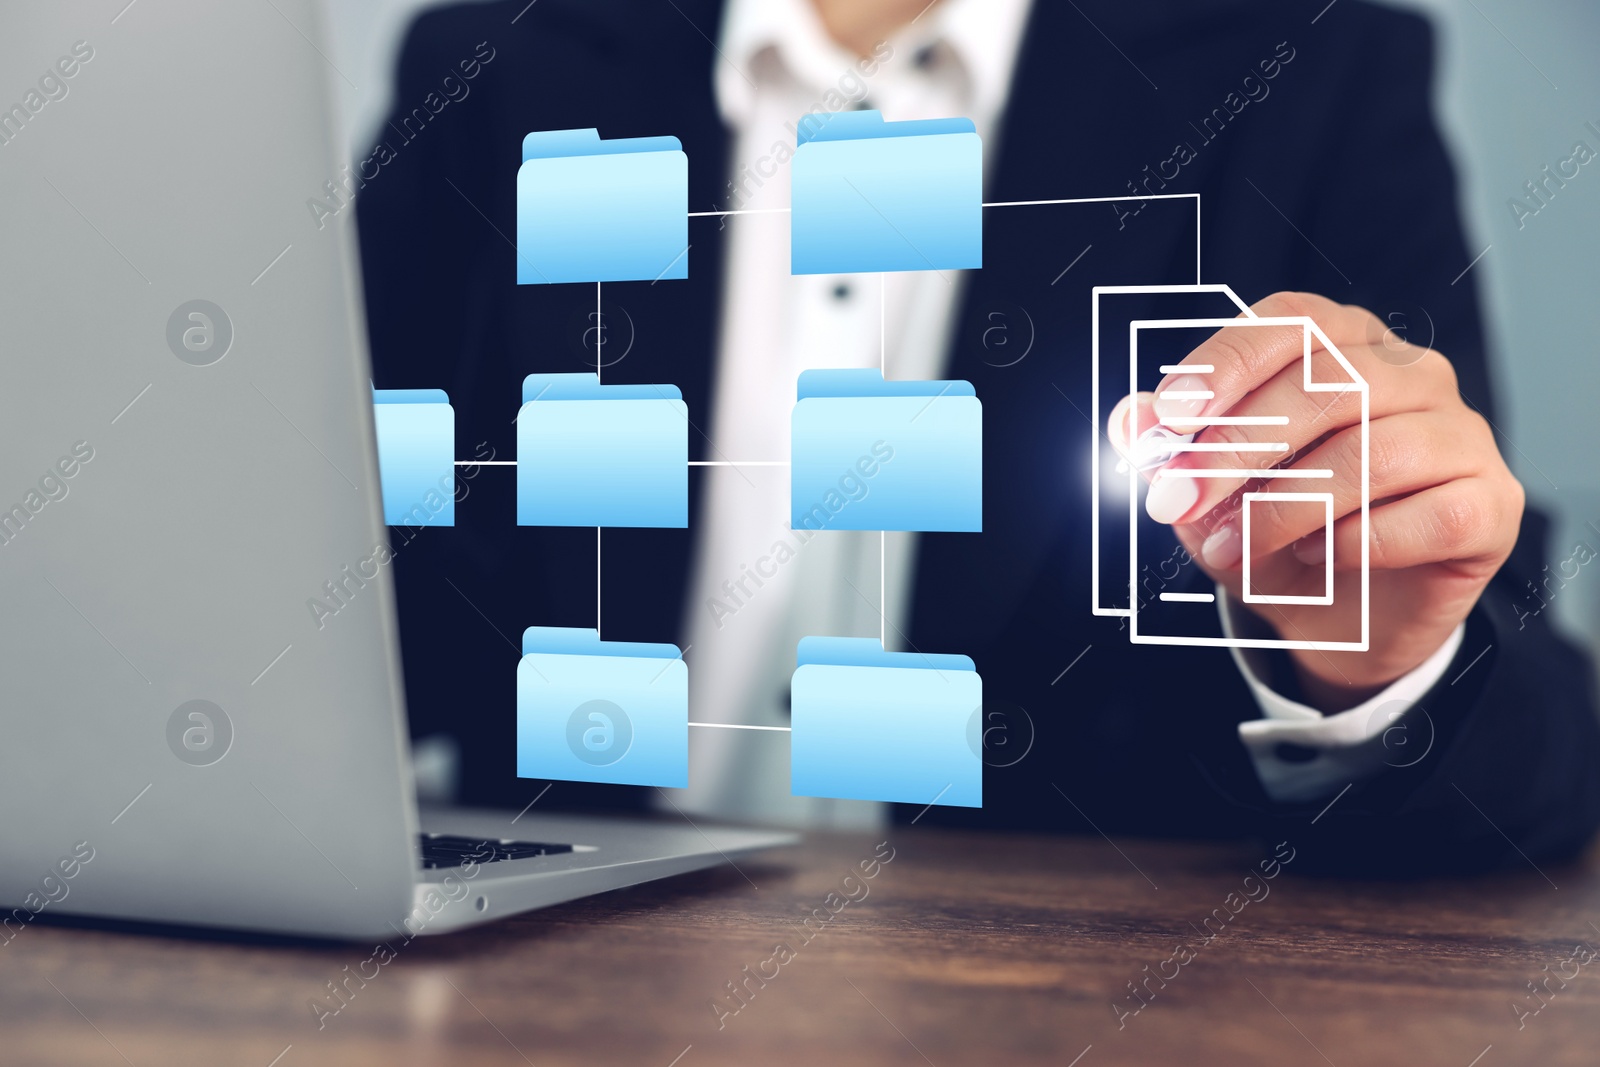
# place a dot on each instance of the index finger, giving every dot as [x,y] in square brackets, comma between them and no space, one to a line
[1231,363]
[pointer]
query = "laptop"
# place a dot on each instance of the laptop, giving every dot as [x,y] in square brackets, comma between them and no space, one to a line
[187,458]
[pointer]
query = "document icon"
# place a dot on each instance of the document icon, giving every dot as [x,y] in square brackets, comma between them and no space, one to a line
[871,196]
[875,725]
[867,454]
[416,456]
[601,711]
[592,210]
[601,455]
[1113,307]
[1259,458]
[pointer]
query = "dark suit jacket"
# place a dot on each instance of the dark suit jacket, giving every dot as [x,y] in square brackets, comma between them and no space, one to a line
[1333,179]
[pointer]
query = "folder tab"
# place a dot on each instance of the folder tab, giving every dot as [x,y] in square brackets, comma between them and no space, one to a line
[593,210]
[416,431]
[869,454]
[870,195]
[601,455]
[892,726]
[601,711]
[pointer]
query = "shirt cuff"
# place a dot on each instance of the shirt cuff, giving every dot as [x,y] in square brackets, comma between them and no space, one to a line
[1302,755]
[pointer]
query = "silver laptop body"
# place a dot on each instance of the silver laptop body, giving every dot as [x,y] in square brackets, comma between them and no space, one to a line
[186,458]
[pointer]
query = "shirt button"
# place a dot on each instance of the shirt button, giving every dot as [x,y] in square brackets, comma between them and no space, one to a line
[841,291]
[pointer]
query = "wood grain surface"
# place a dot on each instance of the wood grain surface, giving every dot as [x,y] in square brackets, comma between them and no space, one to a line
[962,949]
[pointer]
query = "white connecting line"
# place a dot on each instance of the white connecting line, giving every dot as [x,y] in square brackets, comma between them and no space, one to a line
[1016,203]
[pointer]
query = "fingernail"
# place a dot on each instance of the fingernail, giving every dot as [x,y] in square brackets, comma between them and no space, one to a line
[1313,550]
[1118,429]
[1156,447]
[1171,498]
[1223,549]
[1182,396]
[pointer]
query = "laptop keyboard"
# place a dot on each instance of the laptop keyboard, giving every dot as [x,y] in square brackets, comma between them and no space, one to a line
[453,850]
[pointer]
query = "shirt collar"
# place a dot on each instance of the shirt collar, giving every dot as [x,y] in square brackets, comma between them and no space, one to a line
[766,38]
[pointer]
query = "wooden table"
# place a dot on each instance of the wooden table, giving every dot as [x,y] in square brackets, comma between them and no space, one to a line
[965,949]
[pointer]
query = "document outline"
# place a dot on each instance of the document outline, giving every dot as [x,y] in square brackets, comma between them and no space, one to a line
[1358,384]
[1097,419]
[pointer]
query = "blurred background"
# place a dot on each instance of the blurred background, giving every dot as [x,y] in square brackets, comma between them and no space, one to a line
[1517,83]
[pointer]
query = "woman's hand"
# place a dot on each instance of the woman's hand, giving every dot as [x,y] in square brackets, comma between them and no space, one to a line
[1445,509]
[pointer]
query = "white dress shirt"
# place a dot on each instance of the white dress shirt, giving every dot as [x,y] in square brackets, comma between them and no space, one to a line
[757,587]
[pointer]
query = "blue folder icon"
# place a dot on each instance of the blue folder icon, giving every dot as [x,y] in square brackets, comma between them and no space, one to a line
[601,455]
[867,454]
[601,711]
[591,210]
[416,456]
[870,195]
[875,725]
